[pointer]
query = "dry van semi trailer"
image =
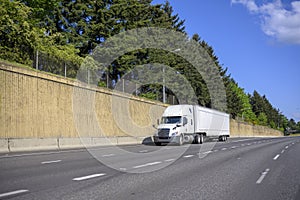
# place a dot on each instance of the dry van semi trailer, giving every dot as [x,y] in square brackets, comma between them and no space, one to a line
[191,123]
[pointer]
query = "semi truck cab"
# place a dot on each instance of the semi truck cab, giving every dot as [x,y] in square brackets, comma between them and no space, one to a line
[176,122]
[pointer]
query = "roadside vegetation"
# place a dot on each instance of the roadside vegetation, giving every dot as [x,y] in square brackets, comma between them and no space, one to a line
[68,31]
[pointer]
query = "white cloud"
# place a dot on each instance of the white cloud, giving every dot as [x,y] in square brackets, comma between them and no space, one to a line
[277,21]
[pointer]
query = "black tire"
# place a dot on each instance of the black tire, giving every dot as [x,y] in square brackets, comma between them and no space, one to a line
[201,138]
[157,143]
[221,138]
[197,139]
[180,142]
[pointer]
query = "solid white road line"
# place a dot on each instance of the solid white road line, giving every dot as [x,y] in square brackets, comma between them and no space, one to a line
[87,177]
[147,164]
[277,156]
[188,156]
[12,193]
[261,178]
[50,161]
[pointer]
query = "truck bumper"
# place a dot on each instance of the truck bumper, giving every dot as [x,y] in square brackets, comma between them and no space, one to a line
[174,139]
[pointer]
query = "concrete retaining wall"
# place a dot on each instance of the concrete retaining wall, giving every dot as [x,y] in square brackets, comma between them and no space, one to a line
[242,129]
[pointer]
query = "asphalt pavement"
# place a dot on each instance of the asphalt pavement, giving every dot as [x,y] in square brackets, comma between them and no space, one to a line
[241,168]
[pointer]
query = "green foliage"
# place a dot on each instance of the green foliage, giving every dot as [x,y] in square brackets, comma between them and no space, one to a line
[245,112]
[274,117]
[17,35]
[262,119]
[21,37]
[234,103]
[149,95]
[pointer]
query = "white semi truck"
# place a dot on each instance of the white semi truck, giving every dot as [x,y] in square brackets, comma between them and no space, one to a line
[191,123]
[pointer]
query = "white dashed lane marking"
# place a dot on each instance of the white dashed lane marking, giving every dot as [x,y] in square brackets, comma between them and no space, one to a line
[108,155]
[188,156]
[88,177]
[147,164]
[207,152]
[7,194]
[50,161]
[263,175]
[170,160]
[276,157]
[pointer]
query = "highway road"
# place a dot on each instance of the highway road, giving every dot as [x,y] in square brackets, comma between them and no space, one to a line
[241,168]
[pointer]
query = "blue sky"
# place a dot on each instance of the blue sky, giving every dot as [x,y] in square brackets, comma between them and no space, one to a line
[258,41]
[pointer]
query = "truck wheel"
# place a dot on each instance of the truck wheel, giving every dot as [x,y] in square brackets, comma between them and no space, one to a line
[157,143]
[197,139]
[221,138]
[180,140]
[201,139]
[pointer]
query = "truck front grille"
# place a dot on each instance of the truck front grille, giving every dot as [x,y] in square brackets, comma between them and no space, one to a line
[163,133]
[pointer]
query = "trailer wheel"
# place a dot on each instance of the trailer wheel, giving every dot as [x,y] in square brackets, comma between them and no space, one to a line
[221,138]
[201,138]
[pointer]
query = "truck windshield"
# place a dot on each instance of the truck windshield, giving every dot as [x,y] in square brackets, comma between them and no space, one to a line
[171,120]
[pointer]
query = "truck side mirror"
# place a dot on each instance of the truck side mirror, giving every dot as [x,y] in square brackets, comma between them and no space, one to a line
[157,121]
